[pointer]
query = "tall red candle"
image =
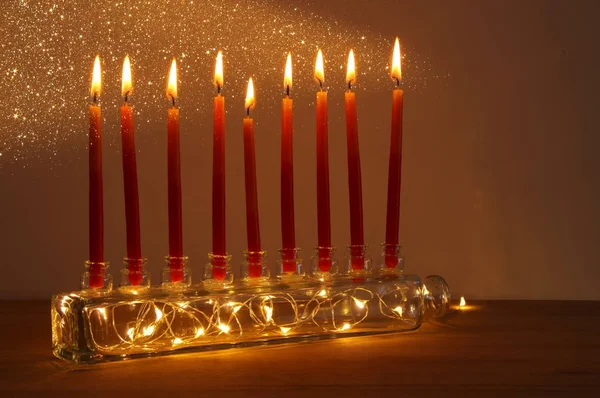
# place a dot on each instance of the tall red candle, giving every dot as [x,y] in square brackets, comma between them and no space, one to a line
[96,207]
[174,181]
[219,236]
[323,199]
[395,165]
[132,207]
[252,225]
[288,233]
[354,173]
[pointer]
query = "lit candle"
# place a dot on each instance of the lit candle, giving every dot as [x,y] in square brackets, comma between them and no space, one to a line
[395,166]
[132,207]
[174,181]
[287,174]
[354,174]
[323,205]
[218,193]
[96,207]
[252,225]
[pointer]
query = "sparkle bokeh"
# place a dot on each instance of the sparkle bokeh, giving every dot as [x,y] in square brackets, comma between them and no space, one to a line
[48,48]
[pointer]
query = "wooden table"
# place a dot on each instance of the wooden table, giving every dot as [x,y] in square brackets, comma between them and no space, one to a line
[496,348]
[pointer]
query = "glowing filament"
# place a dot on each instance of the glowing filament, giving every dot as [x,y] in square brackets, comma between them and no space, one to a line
[159,314]
[177,341]
[351,70]
[219,71]
[268,312]
[396,64]
[172,82]
[224,328]
[130,333]
[359,303]
[284,330]
[425,291]
[96,78]
[236,307]
[102,311]
[323,293]
[462,302]
[287,80]
[319,69]
[127,81]
[148,330]
[345,326]
[199,332]
[398,310]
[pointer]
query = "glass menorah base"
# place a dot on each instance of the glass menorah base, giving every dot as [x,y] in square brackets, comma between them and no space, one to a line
[91,328]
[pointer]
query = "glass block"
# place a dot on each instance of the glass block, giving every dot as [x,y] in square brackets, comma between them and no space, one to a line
[89,327]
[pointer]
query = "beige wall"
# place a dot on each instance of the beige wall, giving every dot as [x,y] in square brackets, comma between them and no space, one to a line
[501,189]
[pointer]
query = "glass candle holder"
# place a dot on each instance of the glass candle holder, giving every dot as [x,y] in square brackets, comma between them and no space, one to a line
[324,263]
[392,261]
[217,272]
[358,261]
[436,297]
[176,274]
[255,268]
[96,278]
[134,276]
[290,266]
[117,326]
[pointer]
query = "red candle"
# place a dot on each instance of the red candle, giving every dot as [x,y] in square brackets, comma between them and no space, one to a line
[252,226]
[323,207]
[96,208]
[287,174]
[354,174]
[218,193]
[395,166]
[132,208]
[174,181]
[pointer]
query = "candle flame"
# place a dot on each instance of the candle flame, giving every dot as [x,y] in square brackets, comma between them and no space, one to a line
[172,82]
[462,302]
[351,71]
[96,78]
[396,62]
[319,69]
[219,71]
[287,80]
[126,85]
[250,101]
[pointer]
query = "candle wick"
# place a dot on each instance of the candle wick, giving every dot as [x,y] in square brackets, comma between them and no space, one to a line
[287,90]
[218,88]
[320,84]
[173,99]
[397,82]
[95,100]
[349,85]
[126,96]
[248,112]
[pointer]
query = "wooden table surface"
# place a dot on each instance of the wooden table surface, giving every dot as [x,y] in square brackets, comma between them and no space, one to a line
[497,348]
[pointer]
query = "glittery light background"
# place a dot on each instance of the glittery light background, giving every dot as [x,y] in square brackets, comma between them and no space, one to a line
[478,144]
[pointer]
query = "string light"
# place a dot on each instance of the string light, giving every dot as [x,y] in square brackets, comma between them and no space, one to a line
[160,324]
